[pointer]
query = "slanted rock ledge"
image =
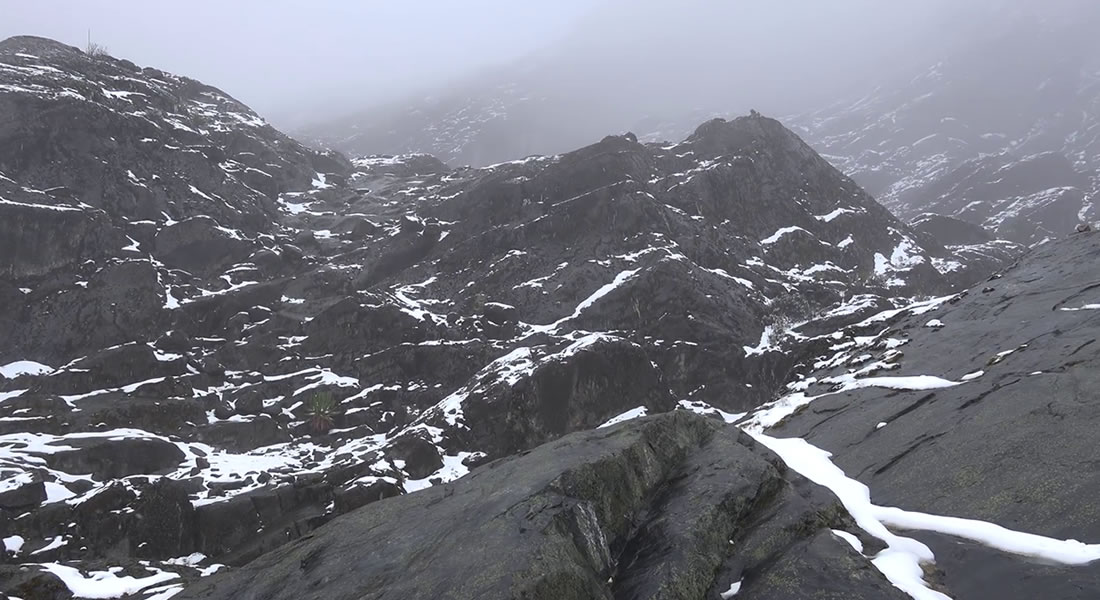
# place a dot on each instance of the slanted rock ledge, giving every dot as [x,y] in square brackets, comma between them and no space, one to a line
[671,506]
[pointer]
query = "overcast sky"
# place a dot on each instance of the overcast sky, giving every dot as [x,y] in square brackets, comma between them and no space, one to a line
[279,55]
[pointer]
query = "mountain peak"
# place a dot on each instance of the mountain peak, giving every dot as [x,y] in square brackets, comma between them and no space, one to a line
[31,44]
[745,134]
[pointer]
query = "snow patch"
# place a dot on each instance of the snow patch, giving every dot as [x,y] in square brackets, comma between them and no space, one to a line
[633,413]
[104,584]
[773,238]
[765,345]
[14,543]
[901,561]
[24,367]
[730,593]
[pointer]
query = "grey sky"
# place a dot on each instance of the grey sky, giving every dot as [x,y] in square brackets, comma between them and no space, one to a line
[283,56]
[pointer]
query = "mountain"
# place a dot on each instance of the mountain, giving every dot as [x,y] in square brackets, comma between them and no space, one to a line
[103,142]
[637,65]
[1001,133]
[994,124]
[342,383]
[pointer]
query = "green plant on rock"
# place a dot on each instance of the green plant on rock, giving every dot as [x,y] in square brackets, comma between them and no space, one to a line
[321,409]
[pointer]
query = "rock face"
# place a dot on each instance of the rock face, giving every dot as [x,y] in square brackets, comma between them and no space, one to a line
[675,506]
[1007,438]
[914,460]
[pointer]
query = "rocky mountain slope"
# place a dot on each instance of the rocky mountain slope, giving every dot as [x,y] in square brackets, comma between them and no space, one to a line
[994,124]
[1000,429]
[588,516]
[1002,133]
[208,370]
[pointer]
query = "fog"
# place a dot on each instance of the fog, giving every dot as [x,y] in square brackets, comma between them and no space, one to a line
[300,64]
[295,61]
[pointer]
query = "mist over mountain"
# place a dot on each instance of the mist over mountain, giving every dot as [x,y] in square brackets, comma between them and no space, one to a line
[949,89]
[632,65]
[593,300]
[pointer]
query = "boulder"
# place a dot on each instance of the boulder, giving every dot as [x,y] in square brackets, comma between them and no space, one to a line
[241,436]
[24,496]
[30,246]
[420,455]
[163,522]
[352,497]
[676,506]
[121,303]
[109,458]
[200,246]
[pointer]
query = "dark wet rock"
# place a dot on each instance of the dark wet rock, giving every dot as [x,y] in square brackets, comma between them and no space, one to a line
[352,497]
[974,571]
[420,455]
[24,496]
[198,245]
[100,521]
[949,231]
[357,227]
[115,367]
[108,458]
[500,314]
[822,566]
[30,247]
[306,240]
[451,315]
[175,341]
[224,161]
[656,506]
[148,409]
[1014,444]
[240,436]
[292,253]
[24,582]
[350,324]
[238,530]
[579,392]
[408,249]
[120,303]
[163,522]
[251,402]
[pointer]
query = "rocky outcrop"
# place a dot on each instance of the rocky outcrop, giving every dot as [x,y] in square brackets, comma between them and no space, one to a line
[30,246]
[118,303]
[676,506]
[198,245]
[1006,437]
[950,231]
